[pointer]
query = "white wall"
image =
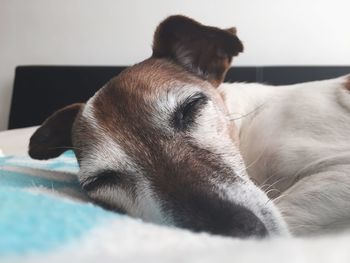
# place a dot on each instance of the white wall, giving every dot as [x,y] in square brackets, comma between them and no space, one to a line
[111,32]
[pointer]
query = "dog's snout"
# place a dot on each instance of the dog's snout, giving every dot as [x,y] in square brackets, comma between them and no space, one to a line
[220,217]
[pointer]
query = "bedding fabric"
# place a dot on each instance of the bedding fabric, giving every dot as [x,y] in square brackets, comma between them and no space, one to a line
[14,142]
[44,217]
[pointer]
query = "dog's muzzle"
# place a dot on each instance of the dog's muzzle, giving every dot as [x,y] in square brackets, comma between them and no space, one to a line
[208,213]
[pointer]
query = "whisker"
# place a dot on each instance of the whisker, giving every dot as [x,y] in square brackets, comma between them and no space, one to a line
[65,147]
[272,199]
[276,182]
[279,197]
[248,113]
[268,178]
[273,190]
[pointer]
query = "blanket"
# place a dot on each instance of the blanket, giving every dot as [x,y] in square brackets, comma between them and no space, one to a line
[45,217]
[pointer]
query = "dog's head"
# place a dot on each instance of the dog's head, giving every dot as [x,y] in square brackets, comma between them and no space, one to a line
[157,143]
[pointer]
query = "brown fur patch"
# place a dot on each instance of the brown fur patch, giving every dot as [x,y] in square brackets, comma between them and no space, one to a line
[127,101]
[347,84]
[203,50]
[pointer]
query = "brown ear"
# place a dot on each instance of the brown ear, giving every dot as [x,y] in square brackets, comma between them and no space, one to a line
[203,50]
[54,136]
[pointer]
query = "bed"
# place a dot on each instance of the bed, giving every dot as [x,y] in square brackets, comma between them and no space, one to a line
[45,217]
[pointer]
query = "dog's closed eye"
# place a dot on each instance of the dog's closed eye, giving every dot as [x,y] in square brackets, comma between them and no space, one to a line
[109,187]
[185,114]
[107,178]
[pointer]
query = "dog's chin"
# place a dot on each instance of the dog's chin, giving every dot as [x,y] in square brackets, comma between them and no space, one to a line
[273,221]
[277,227]
[271,216]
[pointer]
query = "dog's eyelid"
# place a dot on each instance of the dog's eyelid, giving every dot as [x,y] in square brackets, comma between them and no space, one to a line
[105,178]
[195,97]
[192,101]
[185,113]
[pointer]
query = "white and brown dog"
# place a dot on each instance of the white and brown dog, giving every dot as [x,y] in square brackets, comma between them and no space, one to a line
[161,142]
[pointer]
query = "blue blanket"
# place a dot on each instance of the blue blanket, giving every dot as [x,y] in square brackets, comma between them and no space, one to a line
[45,217]
[42,206]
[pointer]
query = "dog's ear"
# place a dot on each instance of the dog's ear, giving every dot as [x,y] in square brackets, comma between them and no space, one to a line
[54,136]
[203,50]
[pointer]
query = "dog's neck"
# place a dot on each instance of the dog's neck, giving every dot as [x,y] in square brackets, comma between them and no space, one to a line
[244,101]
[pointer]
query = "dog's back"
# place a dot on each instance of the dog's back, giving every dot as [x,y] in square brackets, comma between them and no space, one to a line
[294,142]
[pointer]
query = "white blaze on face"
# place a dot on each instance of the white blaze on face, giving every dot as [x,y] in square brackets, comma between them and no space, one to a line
[212,132]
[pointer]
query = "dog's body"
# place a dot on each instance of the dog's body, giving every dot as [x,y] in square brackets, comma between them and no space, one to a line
[294,141]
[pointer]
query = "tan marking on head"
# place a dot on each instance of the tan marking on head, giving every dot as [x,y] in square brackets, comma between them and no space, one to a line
[130,98]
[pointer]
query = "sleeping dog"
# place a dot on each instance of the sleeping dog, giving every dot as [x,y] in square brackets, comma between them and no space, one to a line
[164,141]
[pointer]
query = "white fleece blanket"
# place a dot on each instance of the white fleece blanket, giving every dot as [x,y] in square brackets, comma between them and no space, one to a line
[45,218]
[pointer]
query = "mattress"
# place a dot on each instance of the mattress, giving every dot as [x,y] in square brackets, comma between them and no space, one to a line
[45,217]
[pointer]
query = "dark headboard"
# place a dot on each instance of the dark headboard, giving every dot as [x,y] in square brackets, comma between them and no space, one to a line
[40,90]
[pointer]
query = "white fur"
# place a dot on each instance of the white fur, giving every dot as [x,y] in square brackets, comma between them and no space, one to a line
[212,133]
[295,142]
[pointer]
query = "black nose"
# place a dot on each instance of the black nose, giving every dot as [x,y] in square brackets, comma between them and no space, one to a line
[217,216]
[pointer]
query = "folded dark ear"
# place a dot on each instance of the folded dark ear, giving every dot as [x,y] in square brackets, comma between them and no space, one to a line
[54,136]
[203,50]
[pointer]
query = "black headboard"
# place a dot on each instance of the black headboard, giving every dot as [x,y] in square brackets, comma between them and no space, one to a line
[40,90]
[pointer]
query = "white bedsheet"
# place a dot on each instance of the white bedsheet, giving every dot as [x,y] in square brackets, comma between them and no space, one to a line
[15,142]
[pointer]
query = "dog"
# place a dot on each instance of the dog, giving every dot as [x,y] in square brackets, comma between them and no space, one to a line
[156,141]
[162,140]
